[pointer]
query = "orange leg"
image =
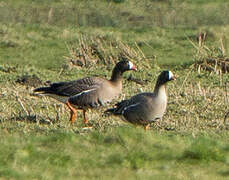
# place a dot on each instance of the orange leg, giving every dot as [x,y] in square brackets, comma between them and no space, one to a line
[147,127]
[85,117]
[73,112]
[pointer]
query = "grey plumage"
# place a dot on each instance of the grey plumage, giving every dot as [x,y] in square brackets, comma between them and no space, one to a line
[71,88]
[145,108]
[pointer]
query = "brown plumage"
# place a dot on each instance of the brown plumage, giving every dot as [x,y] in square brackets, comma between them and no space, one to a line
[89,92]
[145,108]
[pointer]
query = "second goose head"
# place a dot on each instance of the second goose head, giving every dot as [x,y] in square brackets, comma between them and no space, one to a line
[165,76]
[162,79]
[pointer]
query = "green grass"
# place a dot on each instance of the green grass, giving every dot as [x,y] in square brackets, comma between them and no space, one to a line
[121,152]
[37,140]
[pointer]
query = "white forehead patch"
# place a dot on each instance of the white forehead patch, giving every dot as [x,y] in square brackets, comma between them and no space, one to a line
[170,75]
[130,65]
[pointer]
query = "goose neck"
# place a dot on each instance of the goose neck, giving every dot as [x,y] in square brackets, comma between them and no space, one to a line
[160,89]
[116,75]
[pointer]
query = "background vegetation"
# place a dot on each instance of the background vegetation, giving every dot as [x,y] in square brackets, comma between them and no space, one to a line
[42,41]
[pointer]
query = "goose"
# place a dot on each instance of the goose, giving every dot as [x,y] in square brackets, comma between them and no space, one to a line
[145,108]
[88,92]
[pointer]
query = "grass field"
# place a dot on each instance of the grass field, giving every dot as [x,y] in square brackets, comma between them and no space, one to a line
[39,39]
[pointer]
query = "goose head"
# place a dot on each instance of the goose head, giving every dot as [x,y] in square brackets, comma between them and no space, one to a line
[120,68]
[165,77]
[125,65]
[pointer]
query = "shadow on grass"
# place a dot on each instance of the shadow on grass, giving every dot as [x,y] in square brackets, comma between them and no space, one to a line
[32,119]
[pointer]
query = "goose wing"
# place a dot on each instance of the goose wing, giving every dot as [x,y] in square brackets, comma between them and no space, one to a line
[71,88]
[136,110]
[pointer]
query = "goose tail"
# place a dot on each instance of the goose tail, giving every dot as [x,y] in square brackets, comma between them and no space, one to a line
[42,90]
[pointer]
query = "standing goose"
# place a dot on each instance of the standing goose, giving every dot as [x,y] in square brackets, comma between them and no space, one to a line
[145,108]
[88,92]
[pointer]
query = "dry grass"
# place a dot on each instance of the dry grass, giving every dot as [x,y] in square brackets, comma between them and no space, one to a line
[197,102]
[92,50]
[210,58]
